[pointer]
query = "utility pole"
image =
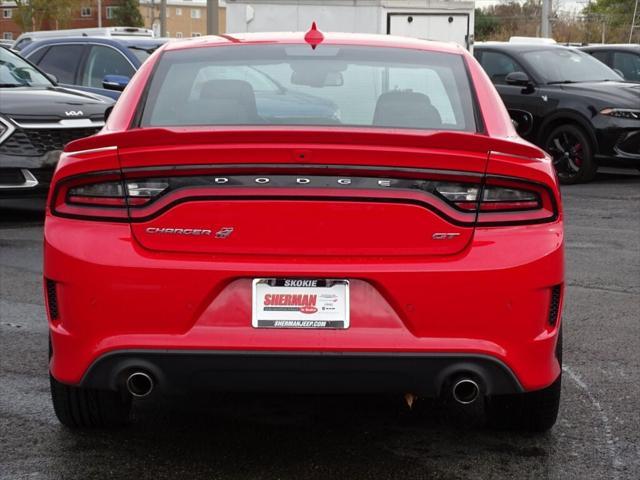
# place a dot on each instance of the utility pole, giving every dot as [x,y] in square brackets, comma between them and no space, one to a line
[545,30]
[212,17]
[635,23]
[99,13]
[163,18]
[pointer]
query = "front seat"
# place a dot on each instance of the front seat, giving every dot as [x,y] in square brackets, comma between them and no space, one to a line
[406,109]
[227,102]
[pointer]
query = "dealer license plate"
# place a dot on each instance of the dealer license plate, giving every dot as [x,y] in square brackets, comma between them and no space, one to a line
[300,303]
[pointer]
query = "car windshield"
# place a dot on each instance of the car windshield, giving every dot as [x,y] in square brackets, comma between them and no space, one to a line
[560,65]
[298,85]
[15,72]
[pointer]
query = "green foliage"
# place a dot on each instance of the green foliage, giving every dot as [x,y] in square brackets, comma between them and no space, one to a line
[486,25]
[617,12]
[128,14]
[610,6]
[33,13]
[601,20]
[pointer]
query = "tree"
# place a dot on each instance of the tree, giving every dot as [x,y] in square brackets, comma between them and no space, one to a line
[32,14]
[509,18]
[623,9]
[128,14]
[485,26]
[616,14]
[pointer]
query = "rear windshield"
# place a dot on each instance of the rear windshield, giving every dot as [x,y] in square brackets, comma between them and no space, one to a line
[296,85]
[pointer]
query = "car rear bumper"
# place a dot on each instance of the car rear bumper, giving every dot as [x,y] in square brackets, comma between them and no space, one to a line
[428,374]
[112,297]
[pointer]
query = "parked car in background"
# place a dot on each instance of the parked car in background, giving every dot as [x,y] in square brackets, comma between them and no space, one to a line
[93,64]
[37,119]
[28,37]
[623,58]
[408,242]
[567,102]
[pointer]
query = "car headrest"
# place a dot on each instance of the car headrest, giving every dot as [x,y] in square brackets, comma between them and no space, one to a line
[406,109]
[230,101]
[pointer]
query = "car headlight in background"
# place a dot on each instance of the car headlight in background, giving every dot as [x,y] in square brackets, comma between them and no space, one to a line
[628,113]
[6,129]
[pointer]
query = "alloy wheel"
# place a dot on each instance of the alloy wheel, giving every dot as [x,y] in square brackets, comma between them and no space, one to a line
[567,151]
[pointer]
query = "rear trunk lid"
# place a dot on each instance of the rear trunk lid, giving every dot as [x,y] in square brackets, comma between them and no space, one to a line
[303,192]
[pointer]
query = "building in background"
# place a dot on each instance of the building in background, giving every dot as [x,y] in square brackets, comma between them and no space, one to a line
[84,16]
[441,20]
[9,30]
[185,18]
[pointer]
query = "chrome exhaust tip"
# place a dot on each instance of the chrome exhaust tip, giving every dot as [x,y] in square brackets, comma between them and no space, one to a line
[139,384]
[465,391]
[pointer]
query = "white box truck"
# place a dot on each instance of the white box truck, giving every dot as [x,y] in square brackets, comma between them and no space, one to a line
[441,20]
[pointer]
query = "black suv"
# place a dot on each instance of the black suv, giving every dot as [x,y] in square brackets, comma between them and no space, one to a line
[567,102]
[37,118]
[624,58]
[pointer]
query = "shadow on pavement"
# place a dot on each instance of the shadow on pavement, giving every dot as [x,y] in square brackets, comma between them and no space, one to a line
[262,436]
[15,216]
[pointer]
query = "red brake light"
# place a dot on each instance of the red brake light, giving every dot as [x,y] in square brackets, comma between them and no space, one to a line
[507,201]
[495,198]
[104,199]
[501,201]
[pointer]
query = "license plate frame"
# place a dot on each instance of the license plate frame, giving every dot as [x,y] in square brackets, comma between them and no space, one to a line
[300,303]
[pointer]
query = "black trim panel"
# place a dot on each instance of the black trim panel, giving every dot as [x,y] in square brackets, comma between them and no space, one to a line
[427,374]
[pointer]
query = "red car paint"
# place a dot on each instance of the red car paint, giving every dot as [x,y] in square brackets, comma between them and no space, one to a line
[485,290]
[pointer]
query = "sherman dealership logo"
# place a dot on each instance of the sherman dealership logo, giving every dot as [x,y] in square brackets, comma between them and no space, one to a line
[223,232]
[302,302]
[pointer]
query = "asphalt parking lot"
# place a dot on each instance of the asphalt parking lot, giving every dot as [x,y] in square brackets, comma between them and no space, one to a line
[254,437]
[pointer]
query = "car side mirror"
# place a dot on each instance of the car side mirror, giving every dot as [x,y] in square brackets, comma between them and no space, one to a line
[519,79]
[115,82]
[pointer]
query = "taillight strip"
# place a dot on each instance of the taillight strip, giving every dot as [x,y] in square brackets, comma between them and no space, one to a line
[456,196]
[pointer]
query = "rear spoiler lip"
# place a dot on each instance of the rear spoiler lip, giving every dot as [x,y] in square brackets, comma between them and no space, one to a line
[306,137]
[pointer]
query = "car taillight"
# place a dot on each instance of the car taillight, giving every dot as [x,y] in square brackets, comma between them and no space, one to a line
[501,201]
[138,192]
[465,199]
[106,194]
[508,199]
[105,199]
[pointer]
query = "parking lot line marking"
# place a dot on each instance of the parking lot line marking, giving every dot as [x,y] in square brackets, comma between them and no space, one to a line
[606,425]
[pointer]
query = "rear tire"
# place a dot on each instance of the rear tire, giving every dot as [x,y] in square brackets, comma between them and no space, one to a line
[531,411]
[572,154]
[78,407]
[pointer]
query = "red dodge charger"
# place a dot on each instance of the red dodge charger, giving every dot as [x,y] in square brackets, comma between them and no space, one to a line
[306,213]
